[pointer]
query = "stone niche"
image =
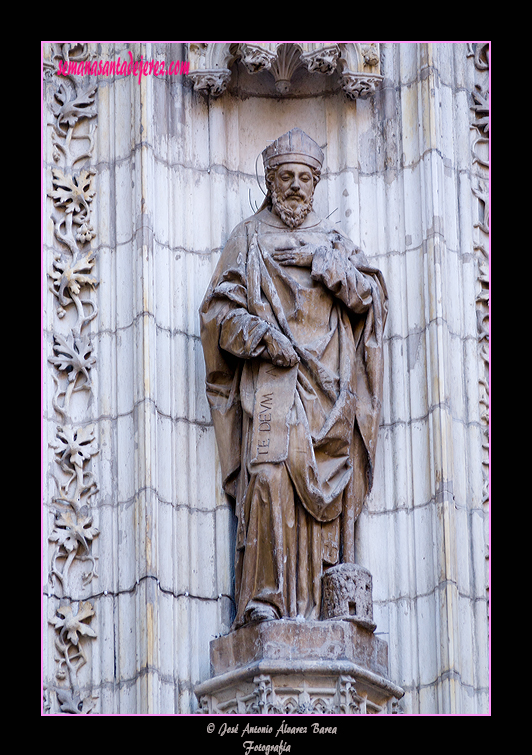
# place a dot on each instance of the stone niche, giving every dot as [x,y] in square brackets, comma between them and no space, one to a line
[356,64]
[290,666]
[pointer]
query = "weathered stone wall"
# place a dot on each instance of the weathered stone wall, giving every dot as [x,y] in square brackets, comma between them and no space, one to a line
[171,173]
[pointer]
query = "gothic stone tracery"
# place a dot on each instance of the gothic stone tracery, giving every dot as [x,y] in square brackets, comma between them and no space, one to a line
[358,64]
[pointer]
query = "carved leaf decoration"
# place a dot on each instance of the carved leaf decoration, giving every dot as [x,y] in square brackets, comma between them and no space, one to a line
[70,111]
[67,702]
[75,444]
[73,356]
[72,277]
[482,109]
[74,51]
[65,537]
[70,531]
[70,623]
[71,702]
[74,193]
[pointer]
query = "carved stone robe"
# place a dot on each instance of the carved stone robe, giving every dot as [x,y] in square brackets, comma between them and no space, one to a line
[296,444]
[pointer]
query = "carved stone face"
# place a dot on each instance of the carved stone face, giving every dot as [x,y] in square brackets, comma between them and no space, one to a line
[292,189]
[294,182]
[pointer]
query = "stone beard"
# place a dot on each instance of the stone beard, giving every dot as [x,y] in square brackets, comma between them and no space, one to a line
[292,217]
[291,329]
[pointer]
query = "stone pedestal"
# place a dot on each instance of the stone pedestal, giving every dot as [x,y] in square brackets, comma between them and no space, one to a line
[336,665]
[306,667]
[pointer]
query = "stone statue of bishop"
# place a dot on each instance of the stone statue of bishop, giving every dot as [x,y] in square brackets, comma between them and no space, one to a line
[292,332]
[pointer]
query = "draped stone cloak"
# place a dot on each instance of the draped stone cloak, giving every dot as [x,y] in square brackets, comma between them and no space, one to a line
[296,444]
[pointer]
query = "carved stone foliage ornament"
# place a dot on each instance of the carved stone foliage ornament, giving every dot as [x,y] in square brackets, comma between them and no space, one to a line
[292,332]
[479,53]
[357,64]
[71,273]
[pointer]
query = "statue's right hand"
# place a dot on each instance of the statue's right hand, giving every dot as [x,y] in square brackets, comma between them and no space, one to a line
[280,350]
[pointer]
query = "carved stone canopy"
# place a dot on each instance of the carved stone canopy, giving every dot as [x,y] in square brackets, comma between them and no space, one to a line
[357,63]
